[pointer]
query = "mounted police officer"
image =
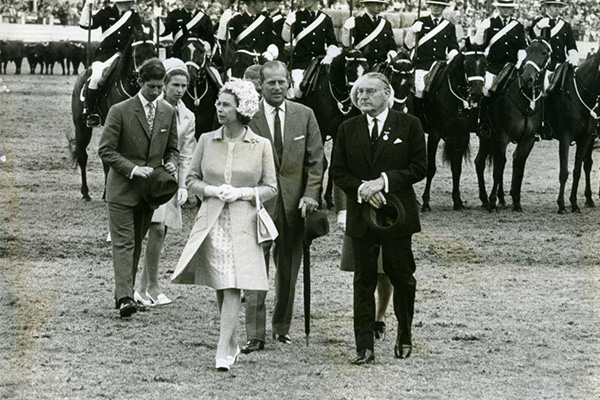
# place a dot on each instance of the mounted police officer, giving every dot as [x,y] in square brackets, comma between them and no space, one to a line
[117,23]
[370,33]
[253,31]
[191,22]
[311,35]
[559,34]
[504,40]
[273,11]
[432,40]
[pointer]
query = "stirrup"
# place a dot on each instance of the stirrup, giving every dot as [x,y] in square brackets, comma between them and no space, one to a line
[93,121]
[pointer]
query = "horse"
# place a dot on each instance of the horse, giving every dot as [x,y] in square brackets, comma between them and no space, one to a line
[447,115]
[204,84]
[515,115]
[400,72]
[244,58]
[122,85]
[572,113]
[329,97]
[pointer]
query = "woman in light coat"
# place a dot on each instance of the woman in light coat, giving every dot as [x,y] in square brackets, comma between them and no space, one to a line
[169,215]
[230,167]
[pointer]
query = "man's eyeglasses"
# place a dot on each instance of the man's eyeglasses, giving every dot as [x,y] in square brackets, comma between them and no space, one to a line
[368,92]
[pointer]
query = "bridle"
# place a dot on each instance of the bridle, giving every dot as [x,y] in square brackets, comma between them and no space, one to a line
[393,71]
[467,101]
[135,74]
[345,105]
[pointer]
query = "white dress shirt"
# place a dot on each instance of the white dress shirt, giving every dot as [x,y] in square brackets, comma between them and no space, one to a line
[270,115]
[145,103]
[380,122]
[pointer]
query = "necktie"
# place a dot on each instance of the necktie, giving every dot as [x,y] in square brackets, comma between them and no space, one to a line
[277,136]
[435,22]
[150,117]
[374,133]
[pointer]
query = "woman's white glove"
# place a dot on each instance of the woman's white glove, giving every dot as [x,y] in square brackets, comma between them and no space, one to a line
[213,191]
[182,195]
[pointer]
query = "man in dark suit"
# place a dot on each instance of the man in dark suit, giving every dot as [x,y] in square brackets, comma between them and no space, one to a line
[299,161]
[380,152]
[140,134]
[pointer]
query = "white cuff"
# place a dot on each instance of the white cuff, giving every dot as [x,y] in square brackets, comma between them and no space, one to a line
[133,172]
[358,198]
[386,182]
[341,217]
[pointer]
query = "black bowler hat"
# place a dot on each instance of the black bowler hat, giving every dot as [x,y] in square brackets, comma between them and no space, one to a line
[386,219]
[315,225]
[159,187]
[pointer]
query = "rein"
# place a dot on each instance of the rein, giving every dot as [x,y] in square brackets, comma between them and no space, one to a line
[591,110]
[195,95]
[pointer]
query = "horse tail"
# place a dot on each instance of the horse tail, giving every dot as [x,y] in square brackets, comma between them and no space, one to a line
[450,146]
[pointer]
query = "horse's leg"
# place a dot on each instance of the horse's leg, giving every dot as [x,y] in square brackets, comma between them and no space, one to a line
[433,140]
[329,188]
[563,155]
[459,148]
[587,168]
[83,136]
[580,153]
[519,159]
[480,160]
[499,163]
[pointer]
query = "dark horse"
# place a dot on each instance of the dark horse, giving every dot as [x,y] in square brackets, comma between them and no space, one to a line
[203,87]
[400,72]
[447,112]
[121,86]
[329,97]
[572,112]
[515,116]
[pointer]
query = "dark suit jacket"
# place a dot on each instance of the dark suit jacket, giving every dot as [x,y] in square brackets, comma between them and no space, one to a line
[300,170]
[402,157]
[126,142]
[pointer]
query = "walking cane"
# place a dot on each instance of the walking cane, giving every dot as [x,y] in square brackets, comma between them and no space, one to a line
[306,277]
[157,7]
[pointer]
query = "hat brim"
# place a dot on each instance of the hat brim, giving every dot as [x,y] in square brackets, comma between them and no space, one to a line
[387,3]
[505,5]
[316,225]
[387,219]
[168,187]
[437,3]
[555,3]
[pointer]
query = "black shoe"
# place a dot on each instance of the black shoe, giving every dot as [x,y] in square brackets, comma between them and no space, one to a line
[380,330]
[127,307]
[253,345]
[285,339]
[364,357]
[93,121]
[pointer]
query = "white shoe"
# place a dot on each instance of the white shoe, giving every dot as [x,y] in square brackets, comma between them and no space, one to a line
[139,299]
[160,300]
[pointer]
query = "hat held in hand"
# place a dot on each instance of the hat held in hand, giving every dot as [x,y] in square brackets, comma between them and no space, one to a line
[386,219]
[159,187]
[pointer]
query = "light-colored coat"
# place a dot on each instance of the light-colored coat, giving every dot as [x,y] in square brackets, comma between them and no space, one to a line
[252,167]
[170,213]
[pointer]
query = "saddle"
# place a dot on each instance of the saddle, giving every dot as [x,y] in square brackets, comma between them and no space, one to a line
[501,81]
[311,75]
[107,75]
[557,79]
[433,80]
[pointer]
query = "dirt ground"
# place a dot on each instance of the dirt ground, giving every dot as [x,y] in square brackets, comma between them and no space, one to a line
[507,303]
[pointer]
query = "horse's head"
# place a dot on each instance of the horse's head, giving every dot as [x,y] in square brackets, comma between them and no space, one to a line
[399,71]
[588,73]
[536,60]
[142,48]
[194,55]
[467,69]
[348,66]
[242,59]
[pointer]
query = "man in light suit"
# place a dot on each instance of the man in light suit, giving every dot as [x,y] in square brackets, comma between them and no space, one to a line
[299,161]
[382,151]
[140,134]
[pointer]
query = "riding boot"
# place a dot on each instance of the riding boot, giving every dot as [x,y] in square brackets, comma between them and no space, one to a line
[92,119]
[483,124]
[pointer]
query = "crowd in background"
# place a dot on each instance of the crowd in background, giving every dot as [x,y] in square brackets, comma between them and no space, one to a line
[582,14]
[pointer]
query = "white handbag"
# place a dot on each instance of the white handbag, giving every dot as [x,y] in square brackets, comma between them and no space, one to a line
[265,227]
